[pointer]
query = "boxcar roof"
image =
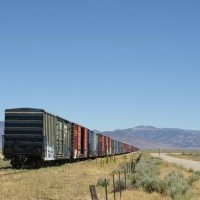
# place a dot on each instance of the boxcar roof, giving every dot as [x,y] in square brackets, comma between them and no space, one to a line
[32,110]
[24,110]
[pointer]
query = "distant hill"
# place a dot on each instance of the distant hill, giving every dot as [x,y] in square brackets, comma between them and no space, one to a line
[149,137]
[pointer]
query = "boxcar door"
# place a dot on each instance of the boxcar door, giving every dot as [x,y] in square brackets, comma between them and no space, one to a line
[67,140]
[59,137]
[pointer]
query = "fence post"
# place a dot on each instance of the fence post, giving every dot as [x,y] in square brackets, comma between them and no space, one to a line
[128,168]
[125,178]
[132,167]
[93,192]
[120,191]
[114,186]
[106,189]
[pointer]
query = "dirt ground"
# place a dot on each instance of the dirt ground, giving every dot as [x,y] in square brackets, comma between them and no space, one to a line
[188,164]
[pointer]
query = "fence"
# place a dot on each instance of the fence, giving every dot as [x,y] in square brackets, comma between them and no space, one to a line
[119,180]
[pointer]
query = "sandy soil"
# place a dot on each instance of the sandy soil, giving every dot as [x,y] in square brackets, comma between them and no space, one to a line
[188,164]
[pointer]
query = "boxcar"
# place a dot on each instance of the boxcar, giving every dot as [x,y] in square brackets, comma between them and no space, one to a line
[79,144]
[34,135]
[102,145]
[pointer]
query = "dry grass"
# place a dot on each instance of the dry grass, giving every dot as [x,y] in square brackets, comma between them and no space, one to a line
[197,187]
[70,181]
[140,195]
[187,156]
[166,168]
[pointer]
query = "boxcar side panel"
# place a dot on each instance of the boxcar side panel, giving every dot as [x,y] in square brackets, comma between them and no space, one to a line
[74,141]
[113,146]
[85,142]
[103,145]
[100,152]
[49,134]
[67,140]
[91,143]
[79,141]
[106,146]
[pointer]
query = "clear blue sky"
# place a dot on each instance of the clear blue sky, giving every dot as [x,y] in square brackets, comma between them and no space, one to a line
[104,64]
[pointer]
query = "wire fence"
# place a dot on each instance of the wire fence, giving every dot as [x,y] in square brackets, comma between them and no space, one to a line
[119,180]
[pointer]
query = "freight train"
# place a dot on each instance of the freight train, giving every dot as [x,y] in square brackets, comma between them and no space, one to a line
[35,137]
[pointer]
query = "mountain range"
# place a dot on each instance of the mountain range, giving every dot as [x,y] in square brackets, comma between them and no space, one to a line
[149,137]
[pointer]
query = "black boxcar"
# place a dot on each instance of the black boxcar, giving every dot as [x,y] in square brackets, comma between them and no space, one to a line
[33,136]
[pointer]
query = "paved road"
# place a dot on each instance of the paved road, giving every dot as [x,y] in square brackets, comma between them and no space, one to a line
[189,164]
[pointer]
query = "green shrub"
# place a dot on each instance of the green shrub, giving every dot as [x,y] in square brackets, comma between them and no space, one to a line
[180,167]
[123,165]
[146,175]
[149,167]
[197,173]
[101,182]
[149,184]
[115,171]
[119,185]
[175,184]
[155,161]
[192,178]
[191,170]
[124,157]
